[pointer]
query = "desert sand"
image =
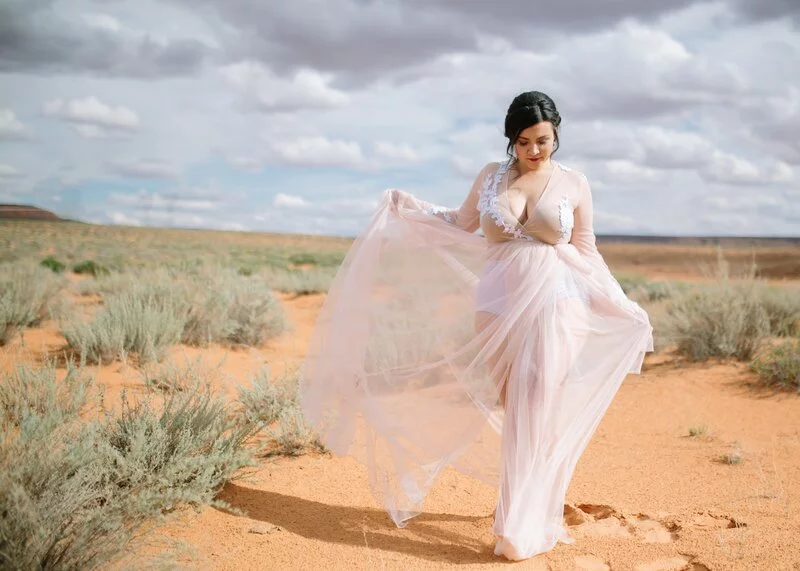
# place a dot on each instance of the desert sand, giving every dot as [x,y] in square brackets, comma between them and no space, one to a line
[646,496]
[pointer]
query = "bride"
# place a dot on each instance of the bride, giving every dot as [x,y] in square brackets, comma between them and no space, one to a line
[495,354]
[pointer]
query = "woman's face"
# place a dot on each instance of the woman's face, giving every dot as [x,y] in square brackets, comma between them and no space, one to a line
[534,146]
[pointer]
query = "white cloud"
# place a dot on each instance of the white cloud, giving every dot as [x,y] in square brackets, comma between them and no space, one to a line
[122,219]
[730,169]
[145,169]
[150,200]
[396,152]
[91,111]
[7,171]
[677,108]
[289,201]
[318,151]
[10,126]
[307,88]
[624,172]
[671,149]
[102,22]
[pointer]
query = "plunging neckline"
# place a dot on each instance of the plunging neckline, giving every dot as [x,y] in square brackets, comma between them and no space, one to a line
[529,217]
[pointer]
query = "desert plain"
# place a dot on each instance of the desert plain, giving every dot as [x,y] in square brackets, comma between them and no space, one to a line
[695,466]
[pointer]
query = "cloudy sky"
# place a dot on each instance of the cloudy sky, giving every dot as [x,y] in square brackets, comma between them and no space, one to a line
[295,115]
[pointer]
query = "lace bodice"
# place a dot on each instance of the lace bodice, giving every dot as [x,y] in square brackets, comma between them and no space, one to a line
[551,218]
[563,214]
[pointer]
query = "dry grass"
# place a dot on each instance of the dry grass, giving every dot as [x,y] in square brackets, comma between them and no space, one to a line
[72,493]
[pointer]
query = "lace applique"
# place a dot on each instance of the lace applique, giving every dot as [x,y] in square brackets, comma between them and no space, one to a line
[566,217]
[487,203]
[446,213]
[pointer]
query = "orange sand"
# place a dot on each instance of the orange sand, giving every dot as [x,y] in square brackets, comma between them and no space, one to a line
[645,496]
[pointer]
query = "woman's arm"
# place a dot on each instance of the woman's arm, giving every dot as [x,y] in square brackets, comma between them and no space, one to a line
[583,236]
[466,217]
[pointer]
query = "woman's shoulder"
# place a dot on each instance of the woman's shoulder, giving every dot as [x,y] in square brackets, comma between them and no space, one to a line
[573,173]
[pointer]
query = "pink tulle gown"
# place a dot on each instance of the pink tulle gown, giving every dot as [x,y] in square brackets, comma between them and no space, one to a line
[496,354]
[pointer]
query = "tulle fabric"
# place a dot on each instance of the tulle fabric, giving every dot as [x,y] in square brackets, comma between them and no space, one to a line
[436,348]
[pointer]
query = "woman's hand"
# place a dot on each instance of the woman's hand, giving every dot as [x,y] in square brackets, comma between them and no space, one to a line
[396,197]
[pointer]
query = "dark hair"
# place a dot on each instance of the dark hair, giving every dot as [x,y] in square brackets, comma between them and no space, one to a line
[528,109]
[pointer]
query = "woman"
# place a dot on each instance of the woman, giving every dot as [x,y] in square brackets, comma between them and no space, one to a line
[497,354]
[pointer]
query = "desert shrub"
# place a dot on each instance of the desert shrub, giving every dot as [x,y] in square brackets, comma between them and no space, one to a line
[300,282]
[183,452]
[90,267]
[26,294]
[172,376]
[779,365]
[630,282]
[223,306]
[724,319]
[59,505]
[276,407]
[255,313]
[783,310]
[72,494]
[291,436]
[264,400]
[215,304]
[28,391]
[52,264]
[326,259]
[132,322]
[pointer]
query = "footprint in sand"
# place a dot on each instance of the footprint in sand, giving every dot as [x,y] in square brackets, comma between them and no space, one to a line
[708,520]
[597,520]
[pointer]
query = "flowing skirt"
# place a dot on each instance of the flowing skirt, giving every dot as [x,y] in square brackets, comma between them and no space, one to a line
[436,348]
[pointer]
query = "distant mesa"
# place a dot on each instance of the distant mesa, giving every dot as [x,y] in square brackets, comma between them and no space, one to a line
[24,212]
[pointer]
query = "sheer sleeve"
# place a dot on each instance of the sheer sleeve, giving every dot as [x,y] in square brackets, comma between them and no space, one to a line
[466,216]
[583,236]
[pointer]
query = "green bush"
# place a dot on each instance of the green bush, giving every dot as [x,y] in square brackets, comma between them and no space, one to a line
[90,267]
[52,264]
[779,365]
[325,259]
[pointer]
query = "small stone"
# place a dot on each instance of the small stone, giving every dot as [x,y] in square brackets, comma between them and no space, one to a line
[263,529]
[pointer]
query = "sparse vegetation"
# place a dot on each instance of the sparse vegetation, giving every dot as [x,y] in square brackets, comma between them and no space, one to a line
[144,314]
[144,325]
[172,376]
[53,265]
[26,296]
[698,430]
[782,306]
[73,493]
[90,267]
[723,319]
[779,365]
[733,456]
[276,406]
[300,281]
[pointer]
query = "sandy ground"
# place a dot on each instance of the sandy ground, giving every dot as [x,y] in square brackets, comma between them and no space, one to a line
[646,496]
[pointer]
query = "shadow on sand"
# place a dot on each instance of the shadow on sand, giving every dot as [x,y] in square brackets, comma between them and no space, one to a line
[425,536]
